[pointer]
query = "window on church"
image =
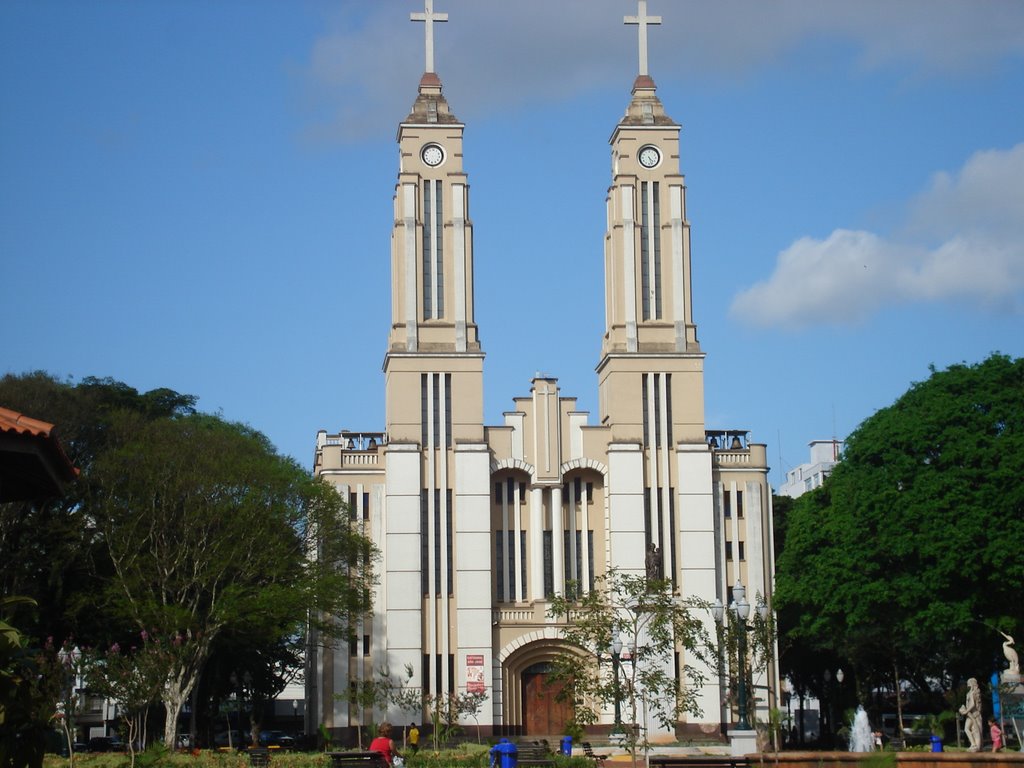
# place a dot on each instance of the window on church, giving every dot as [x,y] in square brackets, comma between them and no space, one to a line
[424,409]
[449,533]
[433,250]
[657,409]
[728,550]
[437,541]
[424,543]
[499,555]
[549,565]
[651,386]
[522,564]
[670,560]
[650,250]
[727,503]
[366,506]
[743,555]
[648,521]
[574,570]
[739,503]
[436,403]
[644,406]
[353,510]
[366,645]
[448,410]
[668,405]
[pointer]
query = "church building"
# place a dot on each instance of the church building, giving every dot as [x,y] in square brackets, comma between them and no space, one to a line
[479,524]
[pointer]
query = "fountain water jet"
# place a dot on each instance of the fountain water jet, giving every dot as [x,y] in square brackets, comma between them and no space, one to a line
[861,738]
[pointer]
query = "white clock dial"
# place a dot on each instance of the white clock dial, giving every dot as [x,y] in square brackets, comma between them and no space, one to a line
[432,155]
[649,157]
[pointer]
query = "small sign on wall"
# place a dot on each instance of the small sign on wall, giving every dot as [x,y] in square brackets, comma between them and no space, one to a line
[475,673]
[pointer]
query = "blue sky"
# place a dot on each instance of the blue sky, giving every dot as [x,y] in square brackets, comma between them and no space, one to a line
[197,195]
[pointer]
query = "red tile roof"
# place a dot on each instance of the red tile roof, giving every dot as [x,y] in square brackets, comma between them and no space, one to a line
[12,421]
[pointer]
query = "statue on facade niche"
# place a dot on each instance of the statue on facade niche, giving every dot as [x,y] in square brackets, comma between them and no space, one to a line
[655,572]
[1011,654]
[971,710]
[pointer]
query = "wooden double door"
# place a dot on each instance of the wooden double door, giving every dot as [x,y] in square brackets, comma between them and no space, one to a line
[543,713]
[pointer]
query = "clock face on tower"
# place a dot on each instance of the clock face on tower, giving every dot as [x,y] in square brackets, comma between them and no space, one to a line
[432,155]
[649,157]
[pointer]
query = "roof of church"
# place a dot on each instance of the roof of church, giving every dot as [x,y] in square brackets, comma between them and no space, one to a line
[430,105]
[645,108]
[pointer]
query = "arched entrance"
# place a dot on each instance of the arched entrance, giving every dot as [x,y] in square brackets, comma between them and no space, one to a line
[543,712]
[530,705]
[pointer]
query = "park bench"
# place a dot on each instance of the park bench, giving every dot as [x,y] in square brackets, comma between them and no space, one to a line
[534,753]
[698,761]
[353,759]
[588,751]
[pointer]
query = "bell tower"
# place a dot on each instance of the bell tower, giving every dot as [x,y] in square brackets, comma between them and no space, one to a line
[650,340]
[436,599]
[433,333]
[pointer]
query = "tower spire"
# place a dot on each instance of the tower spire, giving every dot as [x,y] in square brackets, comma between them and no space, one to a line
[642,21]
[428,17]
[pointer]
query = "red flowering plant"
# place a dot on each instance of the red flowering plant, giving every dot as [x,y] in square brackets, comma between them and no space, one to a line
[133,679]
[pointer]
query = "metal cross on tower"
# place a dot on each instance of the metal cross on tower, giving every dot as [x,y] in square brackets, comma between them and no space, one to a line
[428,17]
[642,20]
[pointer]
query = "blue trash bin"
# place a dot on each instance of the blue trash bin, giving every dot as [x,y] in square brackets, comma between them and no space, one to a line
[504,754]
[567,745]
[936,744]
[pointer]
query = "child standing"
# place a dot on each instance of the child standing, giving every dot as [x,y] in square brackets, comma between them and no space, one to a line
[996,733]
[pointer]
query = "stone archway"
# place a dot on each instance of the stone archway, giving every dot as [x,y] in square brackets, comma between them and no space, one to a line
[529,703]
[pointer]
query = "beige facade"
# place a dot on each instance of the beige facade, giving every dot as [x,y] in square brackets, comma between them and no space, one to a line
[479,524]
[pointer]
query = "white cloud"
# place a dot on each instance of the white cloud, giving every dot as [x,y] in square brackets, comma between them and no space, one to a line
[497,56]
[963,240]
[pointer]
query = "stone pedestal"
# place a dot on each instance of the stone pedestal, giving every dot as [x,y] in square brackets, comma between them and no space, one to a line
[742,742]
[1012,697]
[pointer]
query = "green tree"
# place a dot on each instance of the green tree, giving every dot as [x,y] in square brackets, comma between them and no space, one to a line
[907,560]
[208,530]
[50,550]
[651,624]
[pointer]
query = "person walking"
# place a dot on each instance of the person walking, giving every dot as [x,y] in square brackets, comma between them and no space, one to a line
[414,738]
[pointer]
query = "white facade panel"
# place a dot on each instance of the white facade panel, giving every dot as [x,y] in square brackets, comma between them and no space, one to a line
[473,552]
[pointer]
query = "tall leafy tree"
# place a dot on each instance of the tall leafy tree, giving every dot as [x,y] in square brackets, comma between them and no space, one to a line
[208,530]
[49,549]
[908,560]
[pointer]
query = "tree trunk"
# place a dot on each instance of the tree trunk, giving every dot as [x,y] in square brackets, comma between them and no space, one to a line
[176,689]
[899,700]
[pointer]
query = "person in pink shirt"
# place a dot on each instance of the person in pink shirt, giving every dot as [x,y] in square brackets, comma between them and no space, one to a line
[996,733]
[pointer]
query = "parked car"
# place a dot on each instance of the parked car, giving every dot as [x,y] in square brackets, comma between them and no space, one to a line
[238,739]
[276,739]
[105,744]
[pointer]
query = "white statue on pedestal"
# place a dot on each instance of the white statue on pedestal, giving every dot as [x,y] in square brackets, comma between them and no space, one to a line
[971,710]
[1011,654]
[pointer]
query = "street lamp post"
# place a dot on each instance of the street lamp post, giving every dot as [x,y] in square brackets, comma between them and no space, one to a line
[740,610]
[836,692]
[827,728]
[616,649]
